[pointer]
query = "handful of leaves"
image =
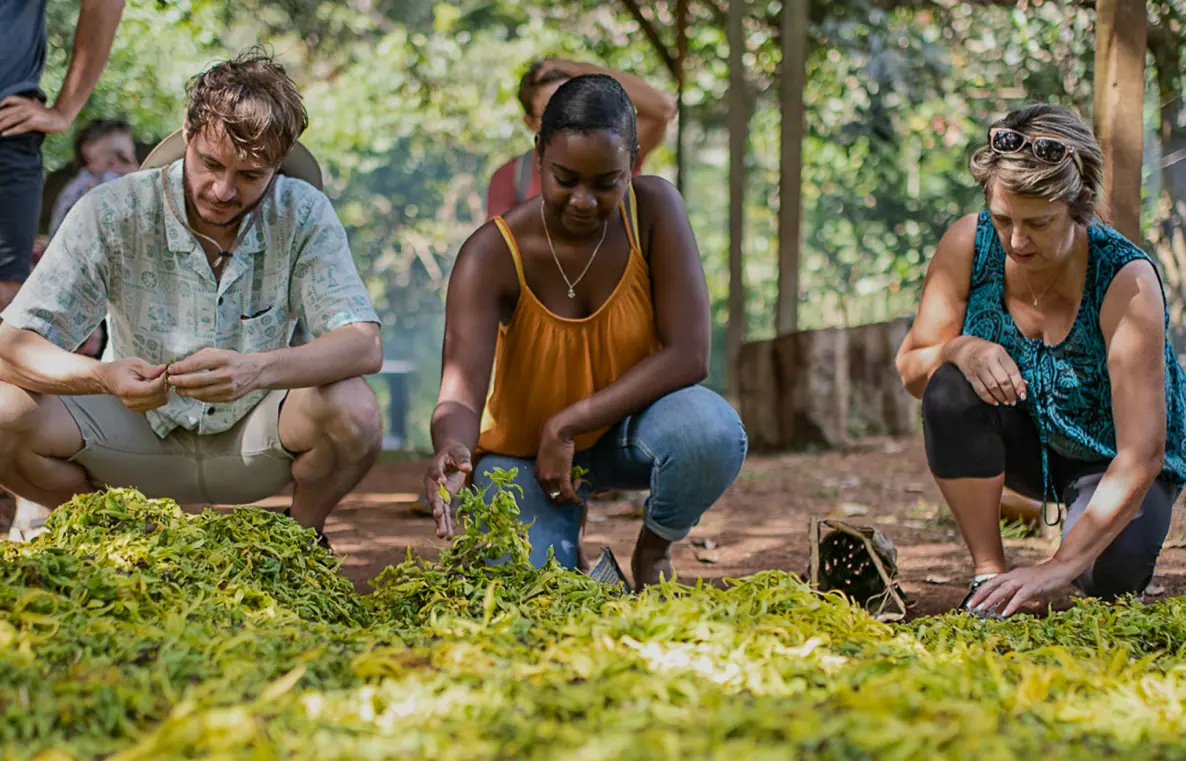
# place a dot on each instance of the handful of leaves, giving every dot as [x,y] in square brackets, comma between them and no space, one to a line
[131,630]
[485,571]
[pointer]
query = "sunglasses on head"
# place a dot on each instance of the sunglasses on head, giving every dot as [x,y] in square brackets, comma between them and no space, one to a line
[1049,150]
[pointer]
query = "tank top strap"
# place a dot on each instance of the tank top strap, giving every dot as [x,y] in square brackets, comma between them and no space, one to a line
[514,248]
[631,223]
[986,238]
[1110,251]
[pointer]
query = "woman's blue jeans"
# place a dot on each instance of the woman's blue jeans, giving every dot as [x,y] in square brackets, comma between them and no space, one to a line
[686,448]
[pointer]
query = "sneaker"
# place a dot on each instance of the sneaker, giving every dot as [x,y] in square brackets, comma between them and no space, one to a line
[29,521]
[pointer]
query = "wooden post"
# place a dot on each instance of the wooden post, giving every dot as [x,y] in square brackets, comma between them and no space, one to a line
[738,129]
[681,58]
[792,76]
[1120,45]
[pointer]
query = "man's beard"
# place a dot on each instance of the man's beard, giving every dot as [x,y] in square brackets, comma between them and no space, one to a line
[191,203]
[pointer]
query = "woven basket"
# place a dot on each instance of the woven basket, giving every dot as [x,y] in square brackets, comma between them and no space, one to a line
[860,562]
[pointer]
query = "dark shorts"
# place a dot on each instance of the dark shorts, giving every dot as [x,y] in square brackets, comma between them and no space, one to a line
[21,182]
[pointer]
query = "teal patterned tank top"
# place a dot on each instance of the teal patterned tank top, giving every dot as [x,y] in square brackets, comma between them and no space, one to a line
[1069,393]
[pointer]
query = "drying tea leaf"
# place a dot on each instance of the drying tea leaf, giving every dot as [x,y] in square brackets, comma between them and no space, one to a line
[131,630]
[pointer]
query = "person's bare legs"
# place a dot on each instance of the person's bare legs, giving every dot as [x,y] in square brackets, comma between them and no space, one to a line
[976,505]
[37,437]
[651,561]
[337,433]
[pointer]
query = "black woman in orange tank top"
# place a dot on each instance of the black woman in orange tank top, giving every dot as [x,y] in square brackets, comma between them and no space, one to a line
[577,332]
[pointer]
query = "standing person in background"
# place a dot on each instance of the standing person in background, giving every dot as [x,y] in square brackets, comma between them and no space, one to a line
[25,119]
[518,179]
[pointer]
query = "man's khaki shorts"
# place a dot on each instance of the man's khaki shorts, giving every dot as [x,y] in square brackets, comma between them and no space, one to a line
[242,465]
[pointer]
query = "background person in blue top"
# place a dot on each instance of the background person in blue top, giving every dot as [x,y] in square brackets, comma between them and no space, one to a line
[26,116]
[1040,353]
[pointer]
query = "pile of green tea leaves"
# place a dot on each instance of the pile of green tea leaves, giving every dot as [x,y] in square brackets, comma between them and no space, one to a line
[131,630]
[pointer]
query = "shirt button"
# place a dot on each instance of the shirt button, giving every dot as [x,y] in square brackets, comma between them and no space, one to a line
[220,300]
[210,411]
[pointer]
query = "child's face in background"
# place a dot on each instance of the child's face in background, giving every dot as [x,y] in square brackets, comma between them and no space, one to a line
[114,152]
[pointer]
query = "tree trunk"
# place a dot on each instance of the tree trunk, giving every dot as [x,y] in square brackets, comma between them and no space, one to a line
[757,395]
[792,76]
[681,64]
[1168,232]
[794,390]
[878,402]
[1121,44]
[823,387]
[738,138]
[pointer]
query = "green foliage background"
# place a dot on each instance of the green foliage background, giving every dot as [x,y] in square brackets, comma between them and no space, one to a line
[412,105]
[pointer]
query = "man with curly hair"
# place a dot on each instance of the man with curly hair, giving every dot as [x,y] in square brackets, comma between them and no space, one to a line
[205,266]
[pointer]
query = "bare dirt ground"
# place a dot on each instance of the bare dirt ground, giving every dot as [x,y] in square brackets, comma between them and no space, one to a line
[761,523]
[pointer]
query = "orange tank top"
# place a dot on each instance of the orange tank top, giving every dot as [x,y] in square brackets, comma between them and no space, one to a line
[543,362]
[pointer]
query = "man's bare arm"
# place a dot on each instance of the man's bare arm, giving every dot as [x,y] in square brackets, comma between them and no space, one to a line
[350,351]
[97,22]
[29,361]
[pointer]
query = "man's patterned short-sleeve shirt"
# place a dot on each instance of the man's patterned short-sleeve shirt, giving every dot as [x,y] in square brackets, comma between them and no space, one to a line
[122,251]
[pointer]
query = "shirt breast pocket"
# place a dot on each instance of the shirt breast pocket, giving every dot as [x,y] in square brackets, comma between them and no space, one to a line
[264,330]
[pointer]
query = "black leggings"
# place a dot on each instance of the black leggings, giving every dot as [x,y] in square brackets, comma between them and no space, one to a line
[967,438]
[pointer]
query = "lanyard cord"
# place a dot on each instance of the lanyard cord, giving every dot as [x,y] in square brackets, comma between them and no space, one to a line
[222,253]
[1042,406]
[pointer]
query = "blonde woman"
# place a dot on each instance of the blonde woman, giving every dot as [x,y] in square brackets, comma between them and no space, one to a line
[1040,354]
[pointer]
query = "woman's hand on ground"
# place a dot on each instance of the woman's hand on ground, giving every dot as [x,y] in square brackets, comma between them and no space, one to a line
[991,371]
[553,465]
[1015,588]
[446,473]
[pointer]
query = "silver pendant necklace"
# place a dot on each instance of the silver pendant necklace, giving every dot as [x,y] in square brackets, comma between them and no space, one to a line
[572,294]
